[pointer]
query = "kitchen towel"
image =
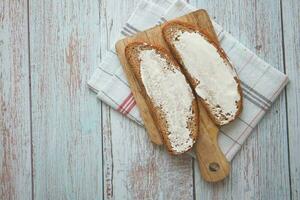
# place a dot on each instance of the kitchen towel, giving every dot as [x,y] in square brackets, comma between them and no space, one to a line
[261,82]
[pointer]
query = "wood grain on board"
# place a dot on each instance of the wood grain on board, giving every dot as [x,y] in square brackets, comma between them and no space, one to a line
[260,169]
[66,117]
[291,38]
[206,148]
[15,148]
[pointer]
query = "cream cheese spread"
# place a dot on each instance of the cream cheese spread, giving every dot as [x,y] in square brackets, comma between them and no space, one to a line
[169,90]
[216,83]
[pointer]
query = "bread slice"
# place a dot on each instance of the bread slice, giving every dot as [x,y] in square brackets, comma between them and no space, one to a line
[207,68]
[169,96]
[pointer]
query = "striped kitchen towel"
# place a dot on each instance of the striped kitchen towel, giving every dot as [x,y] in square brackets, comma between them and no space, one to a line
[261,82]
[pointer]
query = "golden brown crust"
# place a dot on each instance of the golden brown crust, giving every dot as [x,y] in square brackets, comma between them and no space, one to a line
[131,52]
[167,31]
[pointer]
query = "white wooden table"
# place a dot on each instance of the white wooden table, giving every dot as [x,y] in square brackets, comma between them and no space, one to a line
[58,142]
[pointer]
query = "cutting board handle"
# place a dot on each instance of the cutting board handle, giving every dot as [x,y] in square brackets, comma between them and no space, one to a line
[212,163]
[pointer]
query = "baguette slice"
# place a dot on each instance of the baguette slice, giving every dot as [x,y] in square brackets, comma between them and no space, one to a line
[169,96]
[208,69]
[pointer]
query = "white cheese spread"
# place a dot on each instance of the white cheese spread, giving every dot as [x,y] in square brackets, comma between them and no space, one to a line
[169,90]
[216,83]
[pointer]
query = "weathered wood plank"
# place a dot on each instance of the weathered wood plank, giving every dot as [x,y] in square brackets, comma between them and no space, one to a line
[15,150]
[136,169]
[66,127]
[291,30]
[133,167]
[260,170]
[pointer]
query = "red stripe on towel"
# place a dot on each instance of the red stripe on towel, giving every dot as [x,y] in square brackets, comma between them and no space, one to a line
[128,103]
[129,108]
[123,104]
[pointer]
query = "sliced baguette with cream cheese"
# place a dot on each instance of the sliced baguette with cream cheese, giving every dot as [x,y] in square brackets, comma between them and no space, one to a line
[169,96]
[208,69]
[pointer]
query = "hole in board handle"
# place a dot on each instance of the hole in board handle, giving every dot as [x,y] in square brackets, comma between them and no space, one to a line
[214,167]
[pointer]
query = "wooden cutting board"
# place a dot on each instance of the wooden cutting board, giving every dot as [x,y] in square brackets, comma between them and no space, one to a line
[212,163]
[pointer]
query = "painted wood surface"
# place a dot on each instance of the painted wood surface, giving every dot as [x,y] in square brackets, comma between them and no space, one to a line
[291,41]
[15,146]
[67,41]
[135,168]
[260,170]
[66,117]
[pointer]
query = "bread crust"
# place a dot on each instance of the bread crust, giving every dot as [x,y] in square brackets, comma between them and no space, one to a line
[156,112]
[167,34]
